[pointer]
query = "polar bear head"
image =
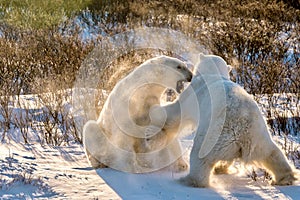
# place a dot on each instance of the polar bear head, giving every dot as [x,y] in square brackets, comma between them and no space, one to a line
[170,70]
[212,65]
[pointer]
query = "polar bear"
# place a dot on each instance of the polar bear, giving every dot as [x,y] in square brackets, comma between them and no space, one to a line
[120,138]
[228,125]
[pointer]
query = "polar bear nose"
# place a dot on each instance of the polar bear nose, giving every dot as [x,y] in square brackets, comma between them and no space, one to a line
[190,76]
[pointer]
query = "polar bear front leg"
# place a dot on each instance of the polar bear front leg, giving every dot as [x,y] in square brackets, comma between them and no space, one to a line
[200,170]
[201,167]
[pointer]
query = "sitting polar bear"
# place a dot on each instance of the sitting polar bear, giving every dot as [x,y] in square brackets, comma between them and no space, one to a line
[119,138]
[228,125]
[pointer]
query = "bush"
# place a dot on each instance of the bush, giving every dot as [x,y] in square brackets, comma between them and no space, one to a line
[39,62]
[36,14]
[41,55]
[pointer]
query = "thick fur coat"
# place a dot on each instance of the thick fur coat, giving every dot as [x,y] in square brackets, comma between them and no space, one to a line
[122,137]
[228,125]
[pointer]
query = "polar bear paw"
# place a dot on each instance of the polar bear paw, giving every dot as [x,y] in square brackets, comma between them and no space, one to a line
[190,181]
[222,167]
[288,179]
[180,165]
[95,163]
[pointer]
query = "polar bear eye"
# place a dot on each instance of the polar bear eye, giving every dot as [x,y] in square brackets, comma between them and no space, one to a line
[179,67]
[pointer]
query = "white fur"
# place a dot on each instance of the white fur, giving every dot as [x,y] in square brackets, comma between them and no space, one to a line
[122,137]
[228,123]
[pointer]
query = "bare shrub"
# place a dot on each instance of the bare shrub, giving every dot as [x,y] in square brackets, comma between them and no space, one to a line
[23,122]
[261,37]
[56,122]
[39,62]
[5,115]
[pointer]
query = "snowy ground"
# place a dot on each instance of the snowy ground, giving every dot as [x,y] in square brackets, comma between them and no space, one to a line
[45,172]
[35,172]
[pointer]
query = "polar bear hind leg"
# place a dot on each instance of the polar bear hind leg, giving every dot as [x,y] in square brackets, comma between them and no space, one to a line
[278,165]
[94,145]
[271,157]
[101,150]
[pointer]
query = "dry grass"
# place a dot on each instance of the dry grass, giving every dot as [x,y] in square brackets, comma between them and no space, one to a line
[256,37]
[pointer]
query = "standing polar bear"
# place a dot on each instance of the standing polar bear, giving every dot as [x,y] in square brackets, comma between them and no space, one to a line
[228,124]
[120,138]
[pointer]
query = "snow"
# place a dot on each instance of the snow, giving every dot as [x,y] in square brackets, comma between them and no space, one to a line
[39,171]
[64,173]
[56,172]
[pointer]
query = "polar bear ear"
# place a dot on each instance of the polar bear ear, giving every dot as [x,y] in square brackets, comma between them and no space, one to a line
[201,56]
[229,68]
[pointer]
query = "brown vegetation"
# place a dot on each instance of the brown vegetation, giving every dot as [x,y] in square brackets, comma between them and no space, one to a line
[259,38]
